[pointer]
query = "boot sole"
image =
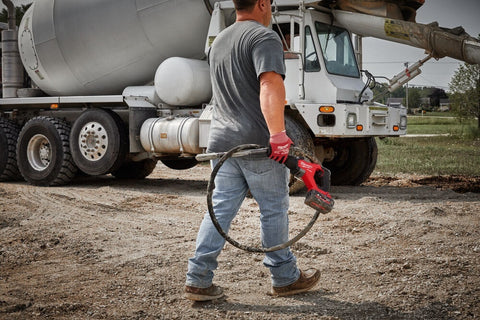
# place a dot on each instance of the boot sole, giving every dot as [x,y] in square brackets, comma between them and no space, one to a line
[202,297]
[293,292]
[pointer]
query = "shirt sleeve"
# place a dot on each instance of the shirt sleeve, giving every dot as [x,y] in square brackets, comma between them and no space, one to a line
[267,56]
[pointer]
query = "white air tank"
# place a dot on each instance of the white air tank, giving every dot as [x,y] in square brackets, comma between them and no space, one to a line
[183,82]
[89,47]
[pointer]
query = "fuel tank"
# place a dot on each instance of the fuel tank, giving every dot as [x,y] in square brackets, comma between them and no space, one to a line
[92,47]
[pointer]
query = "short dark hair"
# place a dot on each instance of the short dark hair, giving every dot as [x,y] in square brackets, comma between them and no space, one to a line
[244,5]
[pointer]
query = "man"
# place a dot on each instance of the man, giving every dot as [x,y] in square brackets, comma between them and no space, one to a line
[247,70]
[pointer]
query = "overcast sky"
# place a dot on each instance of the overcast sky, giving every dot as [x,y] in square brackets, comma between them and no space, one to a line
[385,58]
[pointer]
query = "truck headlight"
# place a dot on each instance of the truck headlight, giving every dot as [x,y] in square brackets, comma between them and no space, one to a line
[403,122]
[351,120]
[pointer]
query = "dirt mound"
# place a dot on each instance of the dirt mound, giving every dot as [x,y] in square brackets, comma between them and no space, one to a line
[460,184]
[457,183]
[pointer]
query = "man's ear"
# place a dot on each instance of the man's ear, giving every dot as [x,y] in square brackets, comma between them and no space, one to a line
[262,4]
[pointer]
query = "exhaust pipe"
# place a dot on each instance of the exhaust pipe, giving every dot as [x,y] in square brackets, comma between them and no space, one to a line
[12,68]
[12,19]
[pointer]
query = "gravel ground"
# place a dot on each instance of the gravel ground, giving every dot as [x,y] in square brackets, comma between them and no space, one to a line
[404,247]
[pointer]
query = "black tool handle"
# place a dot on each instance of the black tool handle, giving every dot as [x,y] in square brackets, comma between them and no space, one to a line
[292,164]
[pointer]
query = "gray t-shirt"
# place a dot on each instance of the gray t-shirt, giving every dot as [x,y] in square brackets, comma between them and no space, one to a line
[239,55]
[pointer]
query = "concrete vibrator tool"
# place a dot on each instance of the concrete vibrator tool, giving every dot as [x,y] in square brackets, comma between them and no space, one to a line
[315,177]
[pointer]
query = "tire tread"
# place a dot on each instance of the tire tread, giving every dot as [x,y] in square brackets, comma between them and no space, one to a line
[11,131]
[68,168]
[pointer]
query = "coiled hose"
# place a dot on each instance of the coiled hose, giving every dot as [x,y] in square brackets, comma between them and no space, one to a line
[211,187]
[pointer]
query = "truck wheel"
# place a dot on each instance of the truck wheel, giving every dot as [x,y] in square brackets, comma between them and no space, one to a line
[8,144]
[354,161]
[135,170]
[99,142]
[180,164]
[43,152]
[303,141]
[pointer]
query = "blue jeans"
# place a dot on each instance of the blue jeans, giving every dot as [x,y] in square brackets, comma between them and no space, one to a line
[267,181]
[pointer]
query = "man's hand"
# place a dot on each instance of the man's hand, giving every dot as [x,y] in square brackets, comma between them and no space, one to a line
[280,145]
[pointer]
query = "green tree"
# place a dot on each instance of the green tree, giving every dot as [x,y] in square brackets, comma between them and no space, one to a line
[414,98]
[399,93]
[465,92]
[436,95]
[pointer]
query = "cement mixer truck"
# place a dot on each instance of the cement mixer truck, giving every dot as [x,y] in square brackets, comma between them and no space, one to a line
[113,86]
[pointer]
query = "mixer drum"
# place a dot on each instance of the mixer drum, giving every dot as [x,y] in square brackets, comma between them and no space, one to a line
[91,47]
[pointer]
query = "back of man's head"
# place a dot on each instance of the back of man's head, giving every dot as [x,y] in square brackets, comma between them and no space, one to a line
[244,5]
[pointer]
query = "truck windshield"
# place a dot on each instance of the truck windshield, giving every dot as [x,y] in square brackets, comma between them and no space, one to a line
[337,50]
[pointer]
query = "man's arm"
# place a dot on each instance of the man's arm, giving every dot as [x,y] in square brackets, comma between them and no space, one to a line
[272,101]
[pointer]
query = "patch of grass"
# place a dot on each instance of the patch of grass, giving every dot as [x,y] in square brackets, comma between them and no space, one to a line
[431,156]
[471,133]
[439,125]
[440,114]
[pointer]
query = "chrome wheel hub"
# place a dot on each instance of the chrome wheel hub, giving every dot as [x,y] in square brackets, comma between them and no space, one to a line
[39,152]
[93,141]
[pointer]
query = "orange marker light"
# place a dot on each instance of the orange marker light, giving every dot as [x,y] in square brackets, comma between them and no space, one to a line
[396,128]
[54,106]
[359,127]
[327,109]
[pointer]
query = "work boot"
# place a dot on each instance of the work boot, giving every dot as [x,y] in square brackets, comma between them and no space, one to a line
[203,294]
[308,279]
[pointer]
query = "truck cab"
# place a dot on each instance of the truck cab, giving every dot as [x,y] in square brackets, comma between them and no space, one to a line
[322,70]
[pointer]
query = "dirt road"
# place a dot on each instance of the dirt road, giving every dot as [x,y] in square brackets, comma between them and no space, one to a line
[109,249]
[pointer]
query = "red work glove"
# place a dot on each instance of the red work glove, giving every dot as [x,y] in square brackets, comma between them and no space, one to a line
[279,145]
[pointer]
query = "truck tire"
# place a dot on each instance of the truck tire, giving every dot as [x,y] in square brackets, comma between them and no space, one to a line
[135,170]
[99,142]
[43,152]
[354,161]
[180,164]
[302,140]
[8,157]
